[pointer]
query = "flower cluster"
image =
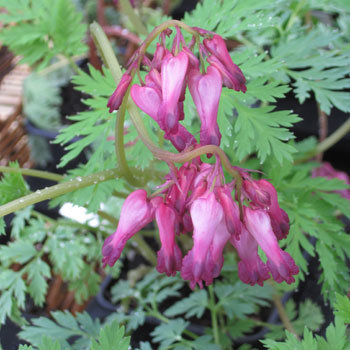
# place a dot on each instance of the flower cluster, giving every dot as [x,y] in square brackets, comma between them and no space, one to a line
[195,198]
[162,94]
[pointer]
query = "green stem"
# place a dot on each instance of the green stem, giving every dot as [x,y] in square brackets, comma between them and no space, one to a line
[214,319]
[119,145]
[73,65]
[58,190]
[283,315]
[162,318]
[334,137]
[146,251]
[34,173]
[134,19]
[108,217]
[104,47]
[112,63]
[328,142]
[59,64]
[294,15]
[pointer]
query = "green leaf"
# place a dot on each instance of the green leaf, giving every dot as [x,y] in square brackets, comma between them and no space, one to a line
[19,221]
[12,186]
[262,130]
[38,272]
[308,315]
[5,305]
[63,328]
[336,338]
[194,305]
[111,337]
[18,251]
[168,333]
[239,300]
[43,30]
[342,307]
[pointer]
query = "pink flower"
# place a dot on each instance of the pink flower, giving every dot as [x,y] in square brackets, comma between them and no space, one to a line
[251,269]
[326,170]
[182,139]
[220,58]
[147,99]
[116,99]
[217,247]
[264,195]
[206,90]
[280,263]
[136,213]
[197,265]
[169,256]
[172,74]
[231,210]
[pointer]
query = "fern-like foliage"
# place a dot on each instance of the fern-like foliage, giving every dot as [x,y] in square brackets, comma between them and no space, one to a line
[87,332]
[41,29]
[336,338]
[310,203]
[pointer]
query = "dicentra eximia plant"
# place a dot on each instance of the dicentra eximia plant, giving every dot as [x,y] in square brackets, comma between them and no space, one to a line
[196,197]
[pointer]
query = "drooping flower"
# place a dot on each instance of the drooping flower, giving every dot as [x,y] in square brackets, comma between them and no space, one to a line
[136,213]
[220,58]
[116,99]
[251,269]
[264,195]
[279,262]
[169,256]
[206,90]
[206,214]
[173,71]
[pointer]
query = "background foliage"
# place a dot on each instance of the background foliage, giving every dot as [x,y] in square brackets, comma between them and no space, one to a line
[283,47]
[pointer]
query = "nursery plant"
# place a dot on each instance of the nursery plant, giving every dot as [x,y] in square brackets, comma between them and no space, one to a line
[211,214]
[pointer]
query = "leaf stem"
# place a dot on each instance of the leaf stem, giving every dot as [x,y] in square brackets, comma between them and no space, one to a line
[323,129]
[112,63]
[214,319]
[58,190]
[31,172]
[133,17]
[146,251]
[334,137]
[283,315]
[327,143]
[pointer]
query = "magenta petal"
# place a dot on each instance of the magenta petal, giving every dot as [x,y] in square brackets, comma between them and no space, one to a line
[264,195]
[231,210]
[280,263]
[219,241]
[233,80]
[173,74]
[169,256]
[147,99]
[217,47]
[198,264]
[206,90]
[283,269]
[251,269]
[116,99]
[136,213]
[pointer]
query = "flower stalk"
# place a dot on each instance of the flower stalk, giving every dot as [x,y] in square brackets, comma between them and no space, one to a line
[58,190]
[34,173]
